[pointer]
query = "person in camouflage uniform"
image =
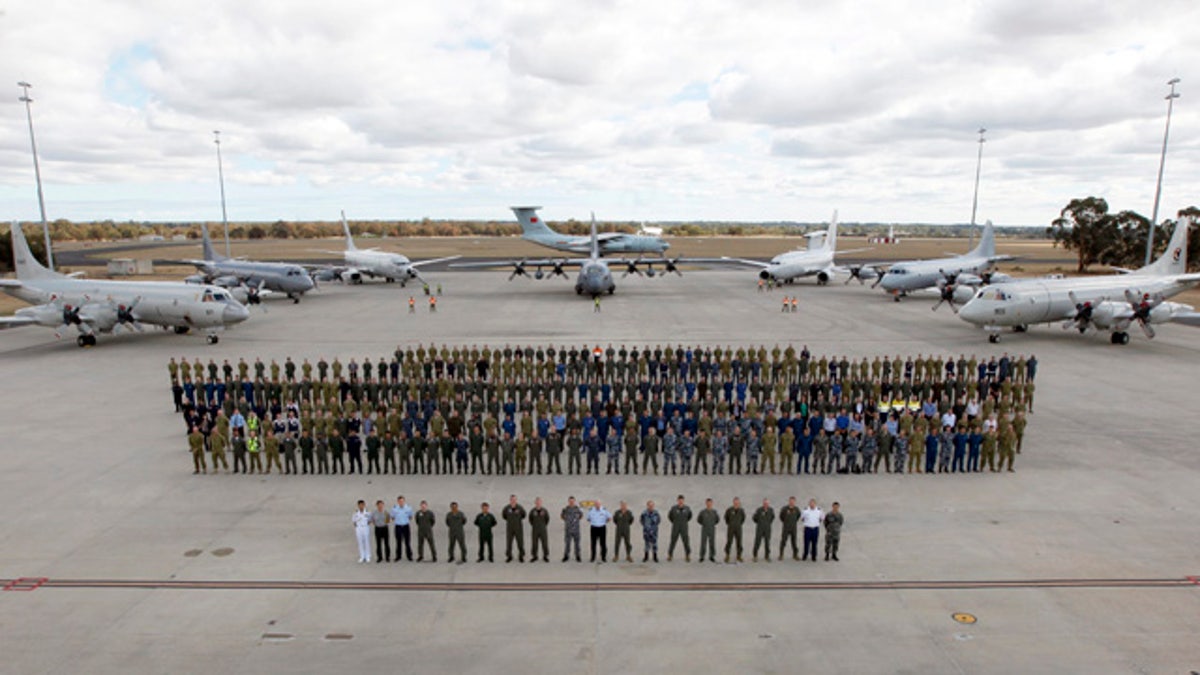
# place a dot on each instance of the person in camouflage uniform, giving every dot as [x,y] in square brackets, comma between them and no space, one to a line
[571,515]
[650,520]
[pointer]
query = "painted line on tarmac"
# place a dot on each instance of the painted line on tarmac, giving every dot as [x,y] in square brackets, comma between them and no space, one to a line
[544,587]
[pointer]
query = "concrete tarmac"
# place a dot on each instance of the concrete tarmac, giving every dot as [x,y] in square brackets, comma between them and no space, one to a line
[150,568]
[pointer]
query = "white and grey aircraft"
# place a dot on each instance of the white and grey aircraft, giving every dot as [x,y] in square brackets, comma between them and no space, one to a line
[370,262]
[1107,303]
[816,260]
[230,273]
[536,231]
[101,306]
[973,268]
[595,277]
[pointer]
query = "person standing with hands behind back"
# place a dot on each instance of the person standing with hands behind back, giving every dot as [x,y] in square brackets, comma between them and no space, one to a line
[362,531]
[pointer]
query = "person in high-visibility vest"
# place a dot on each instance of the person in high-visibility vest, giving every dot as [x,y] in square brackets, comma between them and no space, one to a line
[253,446]
[432,303]
[795,304]
[412,305]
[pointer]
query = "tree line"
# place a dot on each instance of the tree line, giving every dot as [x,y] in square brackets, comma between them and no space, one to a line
[1099,237]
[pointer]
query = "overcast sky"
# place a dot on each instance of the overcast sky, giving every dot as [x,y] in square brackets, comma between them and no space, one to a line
[743,110]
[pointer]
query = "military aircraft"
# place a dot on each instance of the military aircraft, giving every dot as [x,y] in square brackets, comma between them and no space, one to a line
[816,260]
[973,268]
[254,275]
[536,231]
[1107,303]
[374,263]
[102,306]
[595,277]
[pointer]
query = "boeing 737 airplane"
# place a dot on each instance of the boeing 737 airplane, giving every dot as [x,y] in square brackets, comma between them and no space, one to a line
[536,231]
[374,263]
[231,272]
[970,269]
[816,260]
[595,278]
[100,306]
[1107,303]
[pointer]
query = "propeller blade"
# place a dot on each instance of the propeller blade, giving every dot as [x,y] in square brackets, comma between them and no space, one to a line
[1148,329]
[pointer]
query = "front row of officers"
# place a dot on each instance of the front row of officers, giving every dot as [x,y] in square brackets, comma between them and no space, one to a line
[400,519]
[950,450]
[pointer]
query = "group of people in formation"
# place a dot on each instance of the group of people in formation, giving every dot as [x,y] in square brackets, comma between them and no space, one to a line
[681,410]
[401,519]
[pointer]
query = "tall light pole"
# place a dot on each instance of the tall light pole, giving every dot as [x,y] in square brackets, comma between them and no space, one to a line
[1162,160]
[221,178]
[37,170]
[975,199]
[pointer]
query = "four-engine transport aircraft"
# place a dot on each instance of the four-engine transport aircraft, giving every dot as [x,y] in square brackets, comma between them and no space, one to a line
[279,277]
[1107,303]
[374,263]
[595,277]
[100,306]
[816,260]
[973,268]
[536,231]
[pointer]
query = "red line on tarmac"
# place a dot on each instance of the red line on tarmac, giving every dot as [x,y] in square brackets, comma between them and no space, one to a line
[541,587]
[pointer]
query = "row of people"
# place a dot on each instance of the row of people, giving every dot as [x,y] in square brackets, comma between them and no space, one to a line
[401,518]
[650,362]
[822,448]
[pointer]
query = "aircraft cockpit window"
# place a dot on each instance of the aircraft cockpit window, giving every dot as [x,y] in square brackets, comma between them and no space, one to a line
[220,297]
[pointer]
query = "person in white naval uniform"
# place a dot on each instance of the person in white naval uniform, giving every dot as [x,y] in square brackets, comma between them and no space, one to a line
[362,531]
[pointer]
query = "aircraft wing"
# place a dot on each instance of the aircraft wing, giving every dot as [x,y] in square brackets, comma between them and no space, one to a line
[16,321]
[1186,278]
[853,250]
[562,262]
[609,236]
[1186,318]
[1001,258]
[421,263]
[10,283]
[746,261]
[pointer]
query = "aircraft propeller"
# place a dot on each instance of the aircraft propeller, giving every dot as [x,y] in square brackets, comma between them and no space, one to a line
[1141,310]
[518,270]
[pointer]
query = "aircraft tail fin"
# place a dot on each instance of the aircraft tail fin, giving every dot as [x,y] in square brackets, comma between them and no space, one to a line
[532,226]
[26,265]
[206,245]
[1174,259]
[831,238]
[986,248]
[595,250]
[349,239]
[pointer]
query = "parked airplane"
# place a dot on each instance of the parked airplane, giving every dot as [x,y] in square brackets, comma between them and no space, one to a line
[254,275]
[595,277]
[100,306]
[533,229]
[1108,303]
[374,263]
[816,260]
[970,269]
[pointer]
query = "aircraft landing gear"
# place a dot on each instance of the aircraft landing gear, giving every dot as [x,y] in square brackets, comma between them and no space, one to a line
[993,338]
[1020,329]
[181,330]
[86,340]
[1120,338]
[213,339]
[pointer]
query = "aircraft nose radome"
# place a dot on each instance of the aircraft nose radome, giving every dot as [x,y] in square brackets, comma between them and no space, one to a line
[235,313]
[306,283]
[888,282]
[666,245]
[971,312]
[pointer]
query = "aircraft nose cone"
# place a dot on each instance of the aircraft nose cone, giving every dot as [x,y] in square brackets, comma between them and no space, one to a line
[306,283]
[666,245]
[888,282]
[235,313]
[971,312]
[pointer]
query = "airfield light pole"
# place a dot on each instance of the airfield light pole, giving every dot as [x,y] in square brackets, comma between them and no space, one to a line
[1162,160]
[37,170]
[975,199]
[221,180]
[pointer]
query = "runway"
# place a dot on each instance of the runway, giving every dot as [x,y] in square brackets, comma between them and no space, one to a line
[35,583]
[1081,560]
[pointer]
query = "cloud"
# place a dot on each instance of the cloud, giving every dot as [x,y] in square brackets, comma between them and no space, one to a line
[709,109]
